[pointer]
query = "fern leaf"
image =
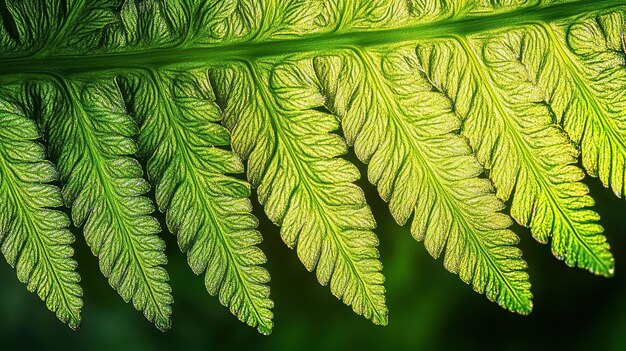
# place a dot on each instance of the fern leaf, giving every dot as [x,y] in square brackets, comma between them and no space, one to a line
[529,157]
[432,94]
[585,89]
[29,24]
[405,133]
[89,134]
[35,238]
[304,186]
[208,209]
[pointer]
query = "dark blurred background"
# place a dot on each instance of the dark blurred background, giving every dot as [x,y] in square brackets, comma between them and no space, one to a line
[429,307]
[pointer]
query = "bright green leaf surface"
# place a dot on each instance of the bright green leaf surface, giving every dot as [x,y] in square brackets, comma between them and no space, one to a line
[304,186]
[406,133]
[456,107]
[89,136]
[208,209]
[35,238]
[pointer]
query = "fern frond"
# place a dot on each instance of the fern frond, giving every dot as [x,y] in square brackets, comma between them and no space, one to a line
[207,209]
[90,137]
[529,157]
[585,88]
[405,132]
[293,159]
[434,95]
[35,237]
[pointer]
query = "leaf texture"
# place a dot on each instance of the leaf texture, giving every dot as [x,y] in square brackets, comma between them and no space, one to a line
[405,132]
[456,107]
[208,209]
[584,83]
[529,157]
[34,235]
[90,137]
[293,159]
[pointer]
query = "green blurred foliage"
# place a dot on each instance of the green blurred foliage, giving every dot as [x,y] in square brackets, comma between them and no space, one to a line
[429,307]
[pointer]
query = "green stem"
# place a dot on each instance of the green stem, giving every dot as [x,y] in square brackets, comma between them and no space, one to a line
[220,53]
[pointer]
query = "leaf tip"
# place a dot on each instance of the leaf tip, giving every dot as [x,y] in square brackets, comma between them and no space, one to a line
[265,328]
[163,324]
[74,324]
[526,308]
[607,271]
[380,318]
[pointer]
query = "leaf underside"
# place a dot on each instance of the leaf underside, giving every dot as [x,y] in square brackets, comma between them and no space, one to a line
[456,107]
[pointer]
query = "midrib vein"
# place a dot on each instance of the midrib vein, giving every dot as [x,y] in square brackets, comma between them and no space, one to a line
[244,50]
